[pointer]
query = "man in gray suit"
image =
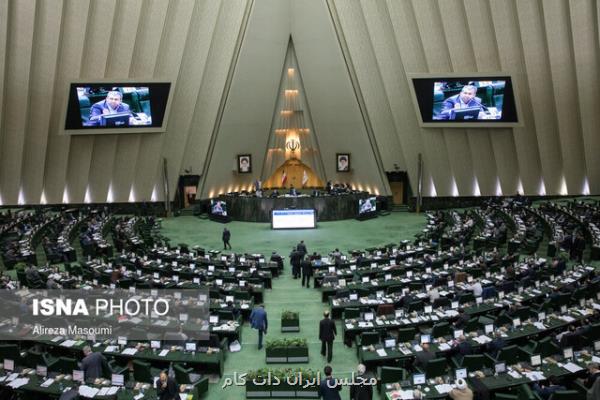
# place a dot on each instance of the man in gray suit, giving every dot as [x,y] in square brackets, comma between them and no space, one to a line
[93,363]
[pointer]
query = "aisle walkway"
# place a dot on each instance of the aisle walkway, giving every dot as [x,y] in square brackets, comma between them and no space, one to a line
[287,294]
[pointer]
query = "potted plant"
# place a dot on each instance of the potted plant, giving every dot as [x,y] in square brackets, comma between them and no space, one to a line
[257,391]
[297,350]
[290,321]
[276,351]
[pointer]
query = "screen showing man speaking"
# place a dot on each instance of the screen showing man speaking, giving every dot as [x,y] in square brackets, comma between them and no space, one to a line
[113,105]
[293,219]
[466,100]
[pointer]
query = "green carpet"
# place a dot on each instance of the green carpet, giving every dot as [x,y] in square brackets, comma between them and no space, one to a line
[287,292]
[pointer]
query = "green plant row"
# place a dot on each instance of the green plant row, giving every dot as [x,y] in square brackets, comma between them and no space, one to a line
[289,315]
[291,342]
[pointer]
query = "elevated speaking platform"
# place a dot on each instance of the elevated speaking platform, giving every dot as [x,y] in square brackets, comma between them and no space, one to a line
[258,209]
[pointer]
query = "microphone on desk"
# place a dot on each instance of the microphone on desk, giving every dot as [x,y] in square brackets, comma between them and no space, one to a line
[481,105]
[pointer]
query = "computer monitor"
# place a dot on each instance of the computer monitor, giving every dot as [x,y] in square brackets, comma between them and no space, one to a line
[365,279]
[387,277]
[219,282]
[597,345]
[428,309]
[353,296]
[156,275]
[458,333]
[425,338]
[118,119]
[418,379]
[78,376]
[190,346]
[229,298]
[399,313]
[488,328]
[122,341]
[454,304]
[41,370]
[461,373]
[213,319]
[500,367]
[369,316]
[465,114]
[536,360]
[331,269]
[389,343]
[516,322]
[541,316]
[568,353]
[379,293]
[155,344]
[9,365]
[117,379]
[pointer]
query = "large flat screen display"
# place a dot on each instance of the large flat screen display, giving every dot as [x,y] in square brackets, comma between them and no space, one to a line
[117,107]
[293,219]
[218,207]
[484,101]
[367,205]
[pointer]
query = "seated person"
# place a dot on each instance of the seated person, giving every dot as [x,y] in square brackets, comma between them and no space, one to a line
[112,104]
[166,388]
[465,99]
[93,364]
[293,191]
[545,391]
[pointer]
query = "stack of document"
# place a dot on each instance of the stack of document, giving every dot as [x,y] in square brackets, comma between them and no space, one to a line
[17,383]
[87,391]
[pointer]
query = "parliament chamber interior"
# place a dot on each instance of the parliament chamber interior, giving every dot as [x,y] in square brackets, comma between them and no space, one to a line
[296,199]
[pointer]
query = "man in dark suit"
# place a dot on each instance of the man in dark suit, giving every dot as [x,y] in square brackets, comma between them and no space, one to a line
[113,104]
[545,391]
[166,388]
[462,320]
[93,364]
[226,238]
[462,347]
[423,357]
[465,99]
[301,247]
[258,320]
[295,259]
[329,389]
[306,268]
[361,390]
[327,332]
[496,345]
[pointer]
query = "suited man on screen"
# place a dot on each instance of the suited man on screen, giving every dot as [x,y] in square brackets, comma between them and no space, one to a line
[112,104]
[465,99]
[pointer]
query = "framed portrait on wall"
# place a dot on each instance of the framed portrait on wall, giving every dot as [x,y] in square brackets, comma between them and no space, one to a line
[244,163]
[342,162]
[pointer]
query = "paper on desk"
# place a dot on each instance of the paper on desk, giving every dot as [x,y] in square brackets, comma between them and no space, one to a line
[514,374]
[129,351]
[12,377]
[68,343]
[535,376]
[139,396]
[349,326]
[111,349]
[444,346]
[572,367]
[539,325]
[182,396]
[17,383]
[444,388]
[103,391]
[112,390]
[381,352]
[87,391]
[402,394]
[596,359]
[47,383]
[163,353]
[416,347]
[482,339]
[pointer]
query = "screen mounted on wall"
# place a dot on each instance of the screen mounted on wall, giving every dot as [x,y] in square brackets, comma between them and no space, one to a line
[483,101]
[117,107]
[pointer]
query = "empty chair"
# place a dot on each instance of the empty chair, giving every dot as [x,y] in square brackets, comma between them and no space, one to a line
[386,309]
[142,372]
[436,367]
[441,329]
[390,375]
[509,354]
[565,395]
[351,313]
[442,302]
[473,362]
[368,338]
[406,334]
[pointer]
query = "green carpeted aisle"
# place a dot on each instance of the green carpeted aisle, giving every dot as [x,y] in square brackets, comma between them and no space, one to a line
[287,292]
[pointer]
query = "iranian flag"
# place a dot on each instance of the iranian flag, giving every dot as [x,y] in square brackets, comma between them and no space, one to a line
[283,178]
